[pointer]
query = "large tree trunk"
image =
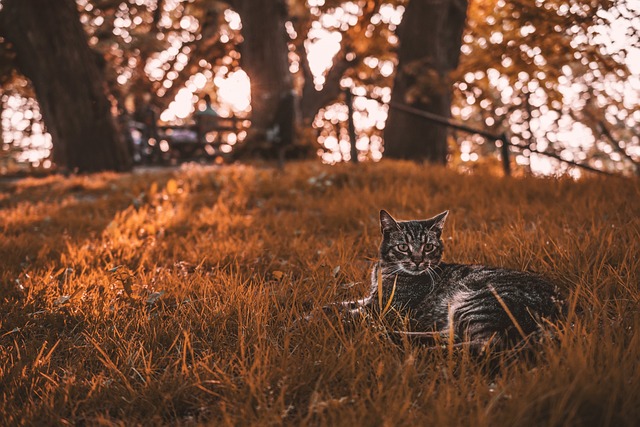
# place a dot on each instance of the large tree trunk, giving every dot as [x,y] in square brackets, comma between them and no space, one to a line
[430,37]
[52,51]
[265,60]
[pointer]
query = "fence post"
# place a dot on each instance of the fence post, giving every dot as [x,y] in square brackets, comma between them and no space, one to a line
[506,164]
[351,127]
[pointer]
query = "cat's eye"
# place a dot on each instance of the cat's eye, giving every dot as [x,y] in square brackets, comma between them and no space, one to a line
[429,247]
[403,248]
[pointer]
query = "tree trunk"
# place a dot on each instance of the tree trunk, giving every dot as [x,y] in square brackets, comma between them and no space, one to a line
[52,51]
[265,60]
[430,37]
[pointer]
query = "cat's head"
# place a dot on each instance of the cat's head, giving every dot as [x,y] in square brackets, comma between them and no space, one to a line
[411,247]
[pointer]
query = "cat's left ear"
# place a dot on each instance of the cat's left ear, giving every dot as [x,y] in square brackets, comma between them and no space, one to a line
[438,221]
[387,223]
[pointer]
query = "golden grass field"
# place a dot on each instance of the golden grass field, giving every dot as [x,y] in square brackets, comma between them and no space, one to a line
[170,297]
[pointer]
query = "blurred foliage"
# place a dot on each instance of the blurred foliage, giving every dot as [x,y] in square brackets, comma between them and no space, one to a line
[537,69]
[153,47]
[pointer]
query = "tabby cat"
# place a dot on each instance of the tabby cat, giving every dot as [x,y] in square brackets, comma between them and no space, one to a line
[480,305]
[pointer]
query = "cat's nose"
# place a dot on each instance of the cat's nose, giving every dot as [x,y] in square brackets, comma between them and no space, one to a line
[416,261]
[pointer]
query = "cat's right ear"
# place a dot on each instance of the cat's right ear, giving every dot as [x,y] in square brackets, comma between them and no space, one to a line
[438,221]
[387,223]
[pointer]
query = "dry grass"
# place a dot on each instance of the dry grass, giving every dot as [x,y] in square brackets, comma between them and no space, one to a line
[196,323]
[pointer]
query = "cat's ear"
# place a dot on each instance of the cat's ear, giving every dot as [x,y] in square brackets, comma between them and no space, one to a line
[438,221]
[387,223]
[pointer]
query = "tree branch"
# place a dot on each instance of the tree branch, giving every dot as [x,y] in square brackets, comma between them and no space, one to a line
[312,99]
[617,147]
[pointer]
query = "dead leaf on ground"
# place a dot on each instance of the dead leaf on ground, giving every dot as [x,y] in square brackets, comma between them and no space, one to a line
[151,299]
[336,271]
[61,300]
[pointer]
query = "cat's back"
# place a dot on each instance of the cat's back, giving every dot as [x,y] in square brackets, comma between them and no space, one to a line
[473,277]
[474,288]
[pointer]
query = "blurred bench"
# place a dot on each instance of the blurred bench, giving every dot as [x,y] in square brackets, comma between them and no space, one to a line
[187,140]
[207,124]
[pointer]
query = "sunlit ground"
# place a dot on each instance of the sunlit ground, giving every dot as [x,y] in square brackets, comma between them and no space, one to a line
[176,297]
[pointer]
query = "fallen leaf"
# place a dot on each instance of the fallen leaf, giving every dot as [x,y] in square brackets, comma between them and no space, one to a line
[61,300]
[154,297]
[348,285]
[336,271]
[277,274]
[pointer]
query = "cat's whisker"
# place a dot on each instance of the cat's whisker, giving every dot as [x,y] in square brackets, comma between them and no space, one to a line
[394,272]
[435,273]
[429,274]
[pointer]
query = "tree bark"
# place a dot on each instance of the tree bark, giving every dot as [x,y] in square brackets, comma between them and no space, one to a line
[52,51]
[264,57]
[430,37]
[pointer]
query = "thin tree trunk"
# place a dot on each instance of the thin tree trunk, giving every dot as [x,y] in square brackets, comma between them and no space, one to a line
[52,51]
[265,60]
[430,37]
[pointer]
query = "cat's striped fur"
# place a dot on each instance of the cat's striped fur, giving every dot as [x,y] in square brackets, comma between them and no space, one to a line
[478,304]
